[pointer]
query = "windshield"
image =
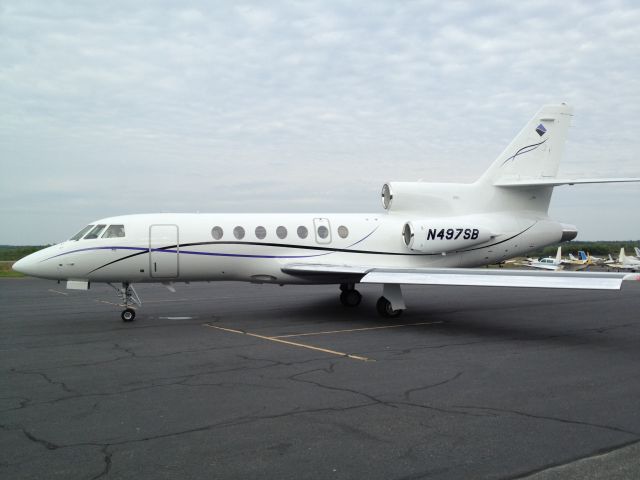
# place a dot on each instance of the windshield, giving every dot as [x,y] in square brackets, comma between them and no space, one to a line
[114,231]
[81,233]
[97,230]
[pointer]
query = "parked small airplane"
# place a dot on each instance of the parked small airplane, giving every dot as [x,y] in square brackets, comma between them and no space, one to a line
[429,231]
[547,263]
[626,262]
[583,260]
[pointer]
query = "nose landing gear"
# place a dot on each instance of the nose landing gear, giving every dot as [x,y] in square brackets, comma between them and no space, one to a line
[129,296]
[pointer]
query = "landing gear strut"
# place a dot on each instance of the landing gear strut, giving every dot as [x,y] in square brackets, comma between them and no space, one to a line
[349,297]
[129,296]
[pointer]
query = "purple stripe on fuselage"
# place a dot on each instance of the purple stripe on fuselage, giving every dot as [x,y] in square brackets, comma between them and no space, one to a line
[214,254]
[139,249]
[188,252]
[364,238]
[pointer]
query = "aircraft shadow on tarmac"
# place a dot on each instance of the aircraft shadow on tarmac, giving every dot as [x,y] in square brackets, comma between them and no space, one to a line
[469,322]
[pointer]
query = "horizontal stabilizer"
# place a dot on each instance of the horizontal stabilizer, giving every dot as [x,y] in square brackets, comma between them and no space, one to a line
[554,182]
[500,278]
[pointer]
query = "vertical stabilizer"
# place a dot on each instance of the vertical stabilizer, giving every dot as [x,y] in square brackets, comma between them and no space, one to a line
[622,256]
[536,151]
[559,256]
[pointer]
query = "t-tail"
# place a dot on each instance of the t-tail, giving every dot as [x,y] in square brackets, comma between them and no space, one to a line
[526,172]
[534,154]
[522,177]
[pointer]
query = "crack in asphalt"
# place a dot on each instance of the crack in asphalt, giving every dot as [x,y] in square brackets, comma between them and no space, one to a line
[180,380]
[550,418]
[330,370]
[408,393]
[107,463]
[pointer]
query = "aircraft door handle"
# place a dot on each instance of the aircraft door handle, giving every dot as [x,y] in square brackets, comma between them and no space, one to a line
[155,267]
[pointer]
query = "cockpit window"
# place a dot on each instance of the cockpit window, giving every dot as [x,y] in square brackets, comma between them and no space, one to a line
[114,231]
[81,233]
[95,233]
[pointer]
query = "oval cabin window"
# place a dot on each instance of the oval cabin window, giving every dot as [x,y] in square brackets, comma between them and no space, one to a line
[238,232]
[281,232]
[323,232]
[302,231]
[343,231]
[261,232]
[217,232]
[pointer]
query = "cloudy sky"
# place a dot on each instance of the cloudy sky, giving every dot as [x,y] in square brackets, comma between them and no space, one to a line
[119,107]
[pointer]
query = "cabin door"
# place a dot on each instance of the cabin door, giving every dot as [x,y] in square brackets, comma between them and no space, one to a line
[163,251]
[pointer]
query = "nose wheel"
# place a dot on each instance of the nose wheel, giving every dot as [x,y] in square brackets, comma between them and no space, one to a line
[128,315]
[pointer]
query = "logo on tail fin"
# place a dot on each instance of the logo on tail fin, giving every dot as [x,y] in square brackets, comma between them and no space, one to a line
[527,149]
[541,130]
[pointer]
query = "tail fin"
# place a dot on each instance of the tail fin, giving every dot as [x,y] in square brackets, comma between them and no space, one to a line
[582,256]
[622,256]
[559,256]
[536,151]
[637,250]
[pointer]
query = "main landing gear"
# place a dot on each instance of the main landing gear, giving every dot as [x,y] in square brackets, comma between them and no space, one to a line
[129,296]
[350,297]
[389,305]
[385,309]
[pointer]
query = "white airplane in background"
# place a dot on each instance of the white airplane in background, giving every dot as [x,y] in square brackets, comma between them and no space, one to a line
[545,263]
[428,231]
[626,262]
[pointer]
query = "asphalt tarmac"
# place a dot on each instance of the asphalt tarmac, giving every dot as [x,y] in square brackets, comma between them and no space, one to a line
[230,380]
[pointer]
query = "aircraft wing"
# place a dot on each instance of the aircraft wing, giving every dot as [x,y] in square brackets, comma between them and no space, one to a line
[464,276]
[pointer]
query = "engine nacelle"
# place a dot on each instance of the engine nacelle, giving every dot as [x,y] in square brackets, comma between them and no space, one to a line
[442,235]
[442,198]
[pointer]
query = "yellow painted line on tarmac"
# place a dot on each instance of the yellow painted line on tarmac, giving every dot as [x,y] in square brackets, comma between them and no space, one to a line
[357,329]
[56,291]
[295,344]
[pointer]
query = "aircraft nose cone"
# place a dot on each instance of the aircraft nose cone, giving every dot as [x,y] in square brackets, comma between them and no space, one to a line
[21,266]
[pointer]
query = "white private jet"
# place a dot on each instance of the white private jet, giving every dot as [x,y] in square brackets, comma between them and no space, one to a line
[427,233]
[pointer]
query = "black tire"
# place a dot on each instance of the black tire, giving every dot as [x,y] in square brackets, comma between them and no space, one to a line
[350,298]
[386,310]
[128,315]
